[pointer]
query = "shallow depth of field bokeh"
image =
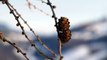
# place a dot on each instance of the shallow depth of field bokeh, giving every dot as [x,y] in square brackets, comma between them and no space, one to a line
[88,20]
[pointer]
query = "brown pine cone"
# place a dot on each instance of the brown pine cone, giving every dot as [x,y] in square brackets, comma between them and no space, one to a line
[64,31]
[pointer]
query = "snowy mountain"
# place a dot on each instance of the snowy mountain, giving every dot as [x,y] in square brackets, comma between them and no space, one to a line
[89,42]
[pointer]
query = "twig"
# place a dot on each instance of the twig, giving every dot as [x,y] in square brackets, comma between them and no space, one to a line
[36,8]
[14,45]
[52,9]
[55,18]
[38,38]
[43,1]
[60,49]
[23,31]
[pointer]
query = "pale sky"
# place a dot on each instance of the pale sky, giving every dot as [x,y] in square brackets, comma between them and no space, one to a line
[77,11]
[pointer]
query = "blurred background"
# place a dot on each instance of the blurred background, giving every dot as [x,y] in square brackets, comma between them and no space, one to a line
[88,20]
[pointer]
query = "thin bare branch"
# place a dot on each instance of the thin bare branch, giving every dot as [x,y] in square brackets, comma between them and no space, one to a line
[14,45]
[38,38]
[52,9]
[43,1]
[12,11]
[30,5]
[55,18]
[60,50]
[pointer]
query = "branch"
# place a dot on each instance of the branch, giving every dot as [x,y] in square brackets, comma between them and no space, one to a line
[60,49]
[55,18]
[14,45]
[36,8]
[52,9]
[12,11]
[38,38]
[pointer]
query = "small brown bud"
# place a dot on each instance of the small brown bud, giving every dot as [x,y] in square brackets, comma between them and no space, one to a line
[53,6]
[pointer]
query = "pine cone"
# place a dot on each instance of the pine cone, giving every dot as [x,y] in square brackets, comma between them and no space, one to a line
[64,31]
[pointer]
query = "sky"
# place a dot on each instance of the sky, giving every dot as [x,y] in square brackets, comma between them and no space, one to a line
[77,11]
